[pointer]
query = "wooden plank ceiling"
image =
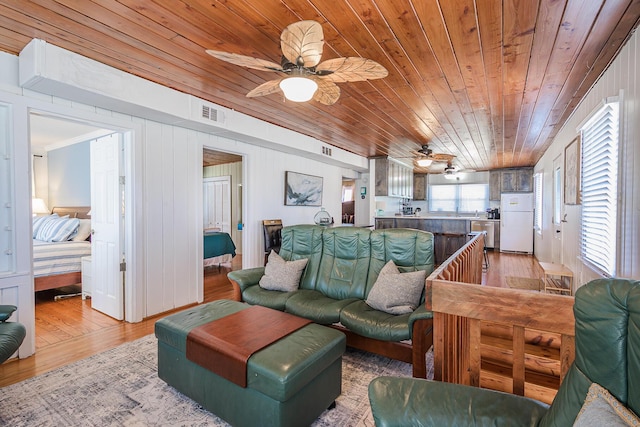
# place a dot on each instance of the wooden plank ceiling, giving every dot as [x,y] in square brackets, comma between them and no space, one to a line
[488,81]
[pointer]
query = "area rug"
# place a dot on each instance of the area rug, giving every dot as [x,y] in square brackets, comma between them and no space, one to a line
[120,387]
[526,283]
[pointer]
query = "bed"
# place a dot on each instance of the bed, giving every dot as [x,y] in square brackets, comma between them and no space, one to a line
[218,248]
[58,264]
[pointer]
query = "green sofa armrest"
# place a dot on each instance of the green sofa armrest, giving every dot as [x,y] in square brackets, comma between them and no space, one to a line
[6,311]
[247,277]
[418,402]
[419,313]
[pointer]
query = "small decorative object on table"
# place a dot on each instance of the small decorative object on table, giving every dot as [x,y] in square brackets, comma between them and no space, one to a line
[322,218]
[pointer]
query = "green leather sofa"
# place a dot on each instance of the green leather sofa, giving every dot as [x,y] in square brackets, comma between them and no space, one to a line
[607,352]
[343,264]
[11,333]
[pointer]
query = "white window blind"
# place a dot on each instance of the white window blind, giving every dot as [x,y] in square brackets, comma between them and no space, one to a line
[598,233]
[537,190]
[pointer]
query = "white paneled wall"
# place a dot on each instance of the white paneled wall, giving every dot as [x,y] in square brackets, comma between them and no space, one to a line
[622,78]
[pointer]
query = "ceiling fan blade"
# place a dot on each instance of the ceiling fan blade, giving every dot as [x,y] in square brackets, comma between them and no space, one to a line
[352,69]
[302,42]
[245,61]
[441,157]
[327,93]
[267,88]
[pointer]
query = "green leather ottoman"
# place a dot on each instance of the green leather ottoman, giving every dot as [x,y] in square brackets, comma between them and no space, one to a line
[289,383]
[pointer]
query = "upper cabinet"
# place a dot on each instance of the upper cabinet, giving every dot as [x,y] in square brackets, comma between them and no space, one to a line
[419,187]
[513,180]
[393,179]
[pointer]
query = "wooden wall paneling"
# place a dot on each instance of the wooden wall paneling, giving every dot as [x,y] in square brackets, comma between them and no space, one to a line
[594,52]
[519,20]
[465,42]
[490,25]
[530,125]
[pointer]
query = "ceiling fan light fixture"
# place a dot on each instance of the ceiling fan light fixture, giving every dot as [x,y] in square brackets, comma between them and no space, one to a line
[424,162]
[298,89]
[451,175]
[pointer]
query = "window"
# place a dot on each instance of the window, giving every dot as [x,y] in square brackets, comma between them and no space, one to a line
[458,198]
[537,191]
[599,182]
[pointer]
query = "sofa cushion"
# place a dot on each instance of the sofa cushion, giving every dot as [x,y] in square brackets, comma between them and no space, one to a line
[255,295]
[602,409]
[316,306]
[410,250]
[344,266]
[396,293]
[303,241]
[281,275]
[369,322]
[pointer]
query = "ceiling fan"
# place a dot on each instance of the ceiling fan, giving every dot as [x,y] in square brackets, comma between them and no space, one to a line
[426,156]
[303,77]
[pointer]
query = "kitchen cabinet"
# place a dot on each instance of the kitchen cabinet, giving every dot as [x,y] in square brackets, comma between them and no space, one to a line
[494,184]
[512,180]
[393,179]
[419,187]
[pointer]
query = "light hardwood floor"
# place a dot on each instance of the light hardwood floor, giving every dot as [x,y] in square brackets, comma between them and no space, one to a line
[68,330]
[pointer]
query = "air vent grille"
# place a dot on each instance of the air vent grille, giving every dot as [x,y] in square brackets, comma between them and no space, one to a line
[209,113]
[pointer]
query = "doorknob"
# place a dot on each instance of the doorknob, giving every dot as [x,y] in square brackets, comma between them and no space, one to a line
[557,231]
[93,231]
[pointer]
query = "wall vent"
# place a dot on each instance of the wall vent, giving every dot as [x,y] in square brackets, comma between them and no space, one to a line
[211,114]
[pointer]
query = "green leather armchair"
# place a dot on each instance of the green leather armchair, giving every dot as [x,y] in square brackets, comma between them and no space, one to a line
[607,313]
[11,333]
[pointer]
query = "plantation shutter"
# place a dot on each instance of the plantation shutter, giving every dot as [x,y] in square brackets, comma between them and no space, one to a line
[599,189]
[537,191]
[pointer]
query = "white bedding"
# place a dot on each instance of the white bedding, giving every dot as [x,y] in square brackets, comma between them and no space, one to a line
[51,258]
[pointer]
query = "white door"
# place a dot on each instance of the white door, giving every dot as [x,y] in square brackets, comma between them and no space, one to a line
[217,203]
[556,221]
[107,287]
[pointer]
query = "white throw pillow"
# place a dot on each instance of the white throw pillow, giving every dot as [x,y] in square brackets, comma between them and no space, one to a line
[395,292]
[281,275]
[84,230]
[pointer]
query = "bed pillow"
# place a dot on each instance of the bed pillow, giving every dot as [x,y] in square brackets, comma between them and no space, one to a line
[600,408]
[84,231]
[39,220]
[58,229]
[281,275]
[395,292]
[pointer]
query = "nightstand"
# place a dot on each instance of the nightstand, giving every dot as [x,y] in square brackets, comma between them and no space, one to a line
[86,276]
[557,278]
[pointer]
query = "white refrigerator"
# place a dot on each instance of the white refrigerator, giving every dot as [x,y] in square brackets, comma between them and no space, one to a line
[516,222]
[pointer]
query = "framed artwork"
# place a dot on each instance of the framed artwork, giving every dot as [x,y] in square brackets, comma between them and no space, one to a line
[302,190]
[572,172]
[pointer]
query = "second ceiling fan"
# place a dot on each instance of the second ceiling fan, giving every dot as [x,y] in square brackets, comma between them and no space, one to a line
[302,75]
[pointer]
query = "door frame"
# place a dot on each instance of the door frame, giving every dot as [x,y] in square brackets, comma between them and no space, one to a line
[131,171]
[557,206]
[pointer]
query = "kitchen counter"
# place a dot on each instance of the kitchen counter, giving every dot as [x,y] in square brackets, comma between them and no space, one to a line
[461,218]
[450,232]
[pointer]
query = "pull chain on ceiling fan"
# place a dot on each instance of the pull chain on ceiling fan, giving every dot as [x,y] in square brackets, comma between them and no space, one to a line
[303,76]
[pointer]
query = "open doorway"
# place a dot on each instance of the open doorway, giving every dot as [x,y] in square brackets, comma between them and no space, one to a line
[222,216]
[62,180]
[348,201]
